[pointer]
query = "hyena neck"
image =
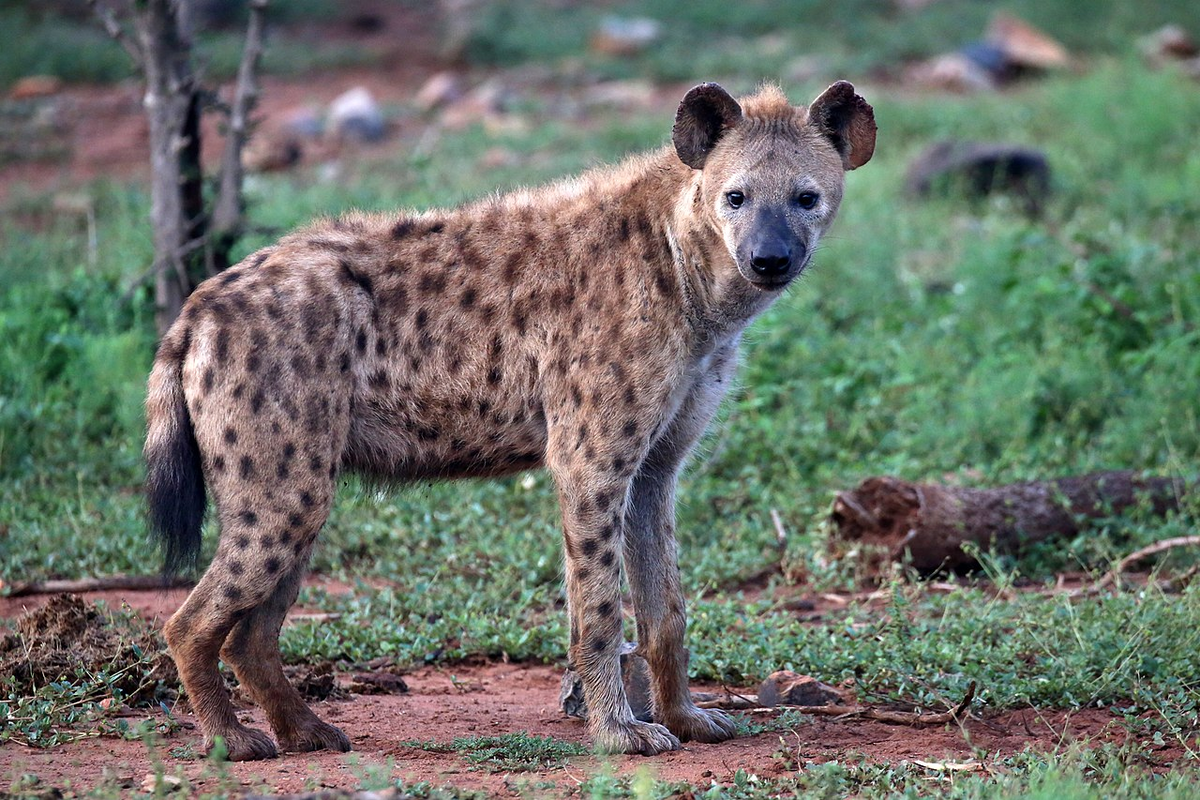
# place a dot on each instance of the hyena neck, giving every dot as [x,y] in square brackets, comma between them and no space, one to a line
[718,301]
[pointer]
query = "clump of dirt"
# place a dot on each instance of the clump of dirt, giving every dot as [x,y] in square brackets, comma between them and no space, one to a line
[68,637]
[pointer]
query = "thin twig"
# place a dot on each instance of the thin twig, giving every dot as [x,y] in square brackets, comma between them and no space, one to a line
[1137,555]
[114,29]
[226,219]
[105,583]
[865,712]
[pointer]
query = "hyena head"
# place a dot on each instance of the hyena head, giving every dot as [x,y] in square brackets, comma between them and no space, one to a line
[772,173]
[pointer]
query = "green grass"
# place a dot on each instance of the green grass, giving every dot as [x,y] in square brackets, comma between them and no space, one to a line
[933,340]
[510,752]
[76,49]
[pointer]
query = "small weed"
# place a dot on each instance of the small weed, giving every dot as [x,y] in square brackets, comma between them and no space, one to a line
[510,752]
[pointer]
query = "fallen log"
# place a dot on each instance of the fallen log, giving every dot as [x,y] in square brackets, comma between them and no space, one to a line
[929,523]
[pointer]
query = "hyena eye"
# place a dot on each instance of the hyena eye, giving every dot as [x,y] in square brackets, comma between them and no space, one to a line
[735,199]
[807,200]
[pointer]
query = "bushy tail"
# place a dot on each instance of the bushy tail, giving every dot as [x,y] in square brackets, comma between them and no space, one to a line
[174,477]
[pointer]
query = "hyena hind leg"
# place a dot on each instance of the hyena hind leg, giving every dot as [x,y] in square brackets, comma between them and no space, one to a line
[252,650]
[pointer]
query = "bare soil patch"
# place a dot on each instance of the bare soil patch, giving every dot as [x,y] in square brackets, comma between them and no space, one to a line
[445,703]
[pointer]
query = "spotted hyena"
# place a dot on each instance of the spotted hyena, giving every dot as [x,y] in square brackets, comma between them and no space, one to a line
[589,326]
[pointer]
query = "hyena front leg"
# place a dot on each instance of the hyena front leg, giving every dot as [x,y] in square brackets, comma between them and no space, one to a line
[652,566]
[593,495]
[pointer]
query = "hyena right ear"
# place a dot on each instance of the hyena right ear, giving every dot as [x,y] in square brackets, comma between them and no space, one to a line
[704,114]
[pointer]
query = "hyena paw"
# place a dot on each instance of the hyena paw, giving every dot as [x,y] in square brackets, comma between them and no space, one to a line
[644,738]
[244,744]
[314,735]
[692,724]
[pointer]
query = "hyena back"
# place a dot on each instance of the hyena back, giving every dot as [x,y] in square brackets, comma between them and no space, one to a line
[590,327]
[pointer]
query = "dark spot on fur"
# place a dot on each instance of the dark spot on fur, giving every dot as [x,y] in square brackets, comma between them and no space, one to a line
[246,467]
[618,465]
[422,319]
[272,565]
[218,463]
[428,434]
[590,546]
[295,520]
[494,376]
[608,558]
[360,341]
[630,429]
[282,470]
[306,500]
[236,568]
[222,345]
[435,227]
[605,609]
[230,436]
[207,381]
[289,450]
[598,643]
[300,365]
[381,347]
[232,592]
[623,230]
[344,362]
[248,518]
[241,542]
[316,464]
[432,283]
[257,400]
[402,228]
[467,299]
[379,380]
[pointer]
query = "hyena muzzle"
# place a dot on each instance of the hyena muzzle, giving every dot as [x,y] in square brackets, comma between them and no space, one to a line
[590,327]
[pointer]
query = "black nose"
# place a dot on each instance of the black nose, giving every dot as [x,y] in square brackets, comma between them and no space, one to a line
[770,264]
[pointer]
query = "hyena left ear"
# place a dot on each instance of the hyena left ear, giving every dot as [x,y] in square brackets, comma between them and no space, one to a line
[847,121]
[705,113]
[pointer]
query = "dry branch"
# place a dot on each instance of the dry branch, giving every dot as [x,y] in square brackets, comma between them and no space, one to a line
[750,703]
[130,582]
[931,522]
[226,223]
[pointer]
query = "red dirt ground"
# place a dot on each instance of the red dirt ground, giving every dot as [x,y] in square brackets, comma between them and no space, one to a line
[494,699]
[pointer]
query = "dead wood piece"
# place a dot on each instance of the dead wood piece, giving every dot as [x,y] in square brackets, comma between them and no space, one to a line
[139,583]
[932,522]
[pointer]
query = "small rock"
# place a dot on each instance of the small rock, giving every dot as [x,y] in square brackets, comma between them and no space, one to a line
[271,151]
[982,168]
[303,122]
[318,682]
[35,86]
[377,683]
[1168,43]
[788,688]
[635,673]
[953,72]
[1024,45]
[153,784]
[625,36]
[440,90]
[621,94]
[354,115]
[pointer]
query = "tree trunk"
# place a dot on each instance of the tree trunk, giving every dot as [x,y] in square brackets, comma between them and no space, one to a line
[931,523]
[172,103]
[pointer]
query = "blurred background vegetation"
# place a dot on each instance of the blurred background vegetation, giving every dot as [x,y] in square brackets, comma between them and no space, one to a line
[935,338]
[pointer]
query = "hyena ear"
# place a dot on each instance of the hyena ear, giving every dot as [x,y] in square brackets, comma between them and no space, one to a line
[846,120]
[705,113]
